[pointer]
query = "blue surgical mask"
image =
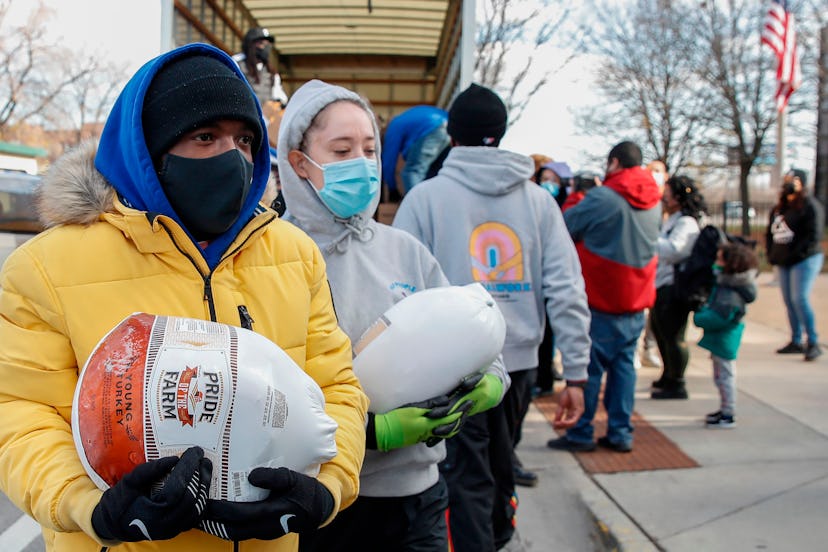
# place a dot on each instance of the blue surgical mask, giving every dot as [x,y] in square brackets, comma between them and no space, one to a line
[349,186]
[550,187]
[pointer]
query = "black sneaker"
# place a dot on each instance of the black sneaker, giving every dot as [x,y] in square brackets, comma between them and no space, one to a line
[791,349]
[617,447]
[658,384]
[812,351]
[722,421]
[562,443]
[713,417]
[525,478]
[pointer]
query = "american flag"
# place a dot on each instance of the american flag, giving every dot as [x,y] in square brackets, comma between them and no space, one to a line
[780,35]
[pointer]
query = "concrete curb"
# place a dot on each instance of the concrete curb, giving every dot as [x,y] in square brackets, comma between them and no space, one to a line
[616,531]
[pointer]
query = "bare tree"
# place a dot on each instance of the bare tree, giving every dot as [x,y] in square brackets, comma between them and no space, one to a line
[89,98]
[741,73]
[43,83]
[647,74]
[503,26]
[821,170]
[690,79]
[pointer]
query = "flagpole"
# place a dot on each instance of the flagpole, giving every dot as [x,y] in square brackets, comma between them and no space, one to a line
[781,121]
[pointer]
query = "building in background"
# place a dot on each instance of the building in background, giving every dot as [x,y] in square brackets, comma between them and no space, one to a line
[17,157]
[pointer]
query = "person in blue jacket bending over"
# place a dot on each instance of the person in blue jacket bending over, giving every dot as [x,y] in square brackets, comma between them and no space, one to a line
[419,135]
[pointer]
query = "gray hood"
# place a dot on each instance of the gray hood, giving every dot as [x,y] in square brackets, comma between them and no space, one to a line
[496,173]
[304,208]
[744,283]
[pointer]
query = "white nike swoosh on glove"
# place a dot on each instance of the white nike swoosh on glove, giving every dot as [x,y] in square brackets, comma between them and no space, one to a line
[284,521]
[141,527]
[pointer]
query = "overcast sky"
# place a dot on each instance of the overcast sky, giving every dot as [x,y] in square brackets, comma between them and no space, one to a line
[547,125]
[125,30]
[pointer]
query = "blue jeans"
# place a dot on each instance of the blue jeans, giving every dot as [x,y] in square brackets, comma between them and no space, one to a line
[614,338]
[421,154]
[796,282]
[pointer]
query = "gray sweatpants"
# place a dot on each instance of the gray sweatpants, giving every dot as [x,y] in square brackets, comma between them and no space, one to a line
[724,374]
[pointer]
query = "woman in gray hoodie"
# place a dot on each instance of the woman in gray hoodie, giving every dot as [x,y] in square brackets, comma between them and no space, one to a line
[328,154]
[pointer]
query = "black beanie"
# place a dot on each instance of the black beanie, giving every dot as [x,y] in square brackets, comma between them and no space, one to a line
[192,91]
[800,174]
[477,117]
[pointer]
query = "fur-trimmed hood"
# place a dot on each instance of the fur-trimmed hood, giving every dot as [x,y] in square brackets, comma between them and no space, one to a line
[73,191]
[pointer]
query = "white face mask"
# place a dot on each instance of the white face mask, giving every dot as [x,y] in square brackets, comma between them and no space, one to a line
[659,178]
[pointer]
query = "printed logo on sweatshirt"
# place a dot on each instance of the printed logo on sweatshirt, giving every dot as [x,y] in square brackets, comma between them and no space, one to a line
[780,231]
[497,258]
[401,289]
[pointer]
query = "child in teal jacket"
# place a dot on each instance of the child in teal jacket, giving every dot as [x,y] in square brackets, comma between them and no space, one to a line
[721,319]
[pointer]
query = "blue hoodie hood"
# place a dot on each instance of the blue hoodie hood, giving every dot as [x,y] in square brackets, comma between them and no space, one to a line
[123,158]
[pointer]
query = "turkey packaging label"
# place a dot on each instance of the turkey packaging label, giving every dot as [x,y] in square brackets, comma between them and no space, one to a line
[156,385]
[427,343]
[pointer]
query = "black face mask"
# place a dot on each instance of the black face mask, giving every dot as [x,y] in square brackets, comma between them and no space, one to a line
[263,54]
[207,194]
[788,188]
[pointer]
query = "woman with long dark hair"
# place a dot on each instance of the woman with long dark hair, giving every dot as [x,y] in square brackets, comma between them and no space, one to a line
[684,206]
[257,65]
[793,245]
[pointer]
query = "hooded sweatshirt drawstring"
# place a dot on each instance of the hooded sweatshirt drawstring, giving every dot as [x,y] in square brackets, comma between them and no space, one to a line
[354,226]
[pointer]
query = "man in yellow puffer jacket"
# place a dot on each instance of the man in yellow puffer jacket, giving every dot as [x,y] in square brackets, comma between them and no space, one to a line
[163,217]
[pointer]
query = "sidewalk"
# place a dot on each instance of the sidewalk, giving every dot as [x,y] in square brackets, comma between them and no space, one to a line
[760,486]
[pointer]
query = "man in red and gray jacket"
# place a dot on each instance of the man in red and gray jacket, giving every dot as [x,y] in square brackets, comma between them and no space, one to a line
[615,230]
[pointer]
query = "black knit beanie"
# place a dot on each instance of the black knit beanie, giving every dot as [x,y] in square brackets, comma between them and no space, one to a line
[800,174]
[477,117]
[192,91]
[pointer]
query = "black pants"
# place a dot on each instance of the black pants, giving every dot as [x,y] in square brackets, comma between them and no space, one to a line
[669,321]
[546,363]
[414,523]
[516,402]
[480,477]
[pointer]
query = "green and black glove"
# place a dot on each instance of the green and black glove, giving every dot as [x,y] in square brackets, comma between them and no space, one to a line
[296,504]
[423,422]
[477,393]
[144,505]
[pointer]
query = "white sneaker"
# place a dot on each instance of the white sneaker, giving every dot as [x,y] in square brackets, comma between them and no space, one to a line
[637,360]
[651,358]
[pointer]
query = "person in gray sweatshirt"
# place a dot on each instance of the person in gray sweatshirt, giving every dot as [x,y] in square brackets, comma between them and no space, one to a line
[486,221]
[328,152]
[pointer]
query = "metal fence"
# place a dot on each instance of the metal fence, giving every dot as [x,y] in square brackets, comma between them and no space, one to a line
[728,216]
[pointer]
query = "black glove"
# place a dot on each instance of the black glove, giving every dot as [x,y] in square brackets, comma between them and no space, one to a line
[297,503]
[145,506]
